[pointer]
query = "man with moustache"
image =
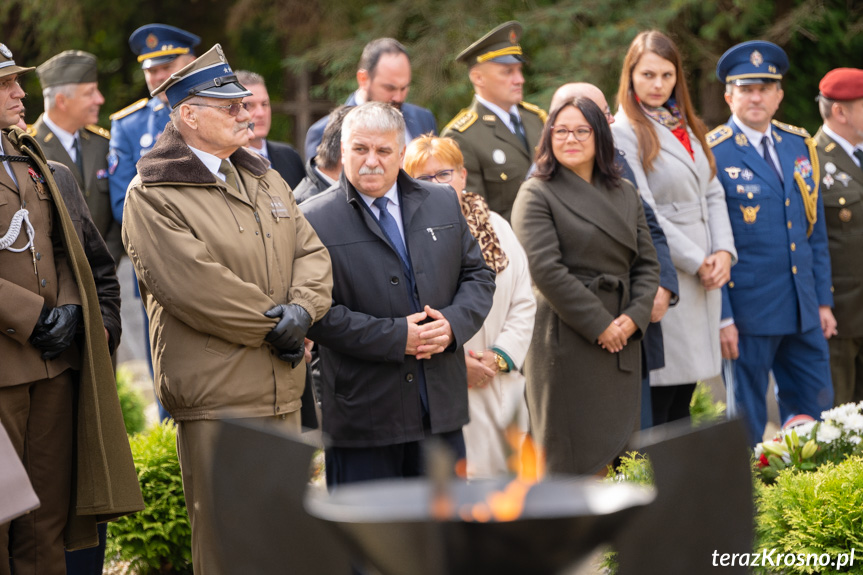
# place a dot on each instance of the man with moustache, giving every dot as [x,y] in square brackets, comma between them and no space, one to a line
[282,157]
[499,132]
[776,309]
[232,276]
[410,288]
[384,76]
[67,133]
[840,155]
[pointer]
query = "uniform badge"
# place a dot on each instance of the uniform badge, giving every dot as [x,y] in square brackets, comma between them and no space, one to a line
[741,140]
[771,69]
[498,156]
[278,208]
[146,140]
[803,167]
[756,58]
[740,189]
[844,178]
[113,162]
[513,37]
[747,174]
[101,174]
[733,173]
[828,181]
[845,215]
[830,168]
[829,147]
[750,213]
[489,118]
[38,180]
[5,51]
[151,41]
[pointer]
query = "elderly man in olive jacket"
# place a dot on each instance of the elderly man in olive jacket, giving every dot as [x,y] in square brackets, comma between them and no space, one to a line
[231,275]
[58,402]
[411,287]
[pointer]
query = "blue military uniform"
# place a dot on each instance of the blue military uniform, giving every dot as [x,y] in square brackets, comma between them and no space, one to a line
[134,131]
[783,272]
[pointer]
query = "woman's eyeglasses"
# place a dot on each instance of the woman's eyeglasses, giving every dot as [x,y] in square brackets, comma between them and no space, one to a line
[442,177]
[233,109]
[561,133]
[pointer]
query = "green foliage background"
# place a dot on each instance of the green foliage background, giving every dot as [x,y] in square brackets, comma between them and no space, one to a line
[565,41]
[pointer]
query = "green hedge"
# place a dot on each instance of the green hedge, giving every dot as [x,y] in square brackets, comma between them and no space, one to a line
[157,540]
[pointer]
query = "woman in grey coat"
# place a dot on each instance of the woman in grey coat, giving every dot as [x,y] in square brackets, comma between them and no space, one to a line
[656,127]
[595,274]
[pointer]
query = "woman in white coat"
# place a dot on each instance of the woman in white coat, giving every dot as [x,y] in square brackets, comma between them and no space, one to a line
[496,353]
[665,144]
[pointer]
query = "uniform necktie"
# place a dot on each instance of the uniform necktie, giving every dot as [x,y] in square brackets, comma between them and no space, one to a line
[765,148]
[391,229]
[859,155]
[519,130]
[230,175]
[79,159]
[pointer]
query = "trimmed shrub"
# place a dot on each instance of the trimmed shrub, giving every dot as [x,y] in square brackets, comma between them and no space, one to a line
[131,402]
[157,540]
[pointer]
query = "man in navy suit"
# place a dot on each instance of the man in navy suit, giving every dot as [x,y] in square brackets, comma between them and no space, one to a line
[411,287]
[282,157]
[777,307]
[384,76]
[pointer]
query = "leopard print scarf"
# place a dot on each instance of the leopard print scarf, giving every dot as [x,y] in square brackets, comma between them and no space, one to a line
[476,212]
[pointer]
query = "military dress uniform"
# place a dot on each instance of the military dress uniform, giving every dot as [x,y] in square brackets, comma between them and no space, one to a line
[842,191]
[497,154]
[496,159]
[783,272]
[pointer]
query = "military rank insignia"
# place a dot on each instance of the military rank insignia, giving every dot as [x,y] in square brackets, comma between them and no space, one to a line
[750,213]
[741,140]
[803,167]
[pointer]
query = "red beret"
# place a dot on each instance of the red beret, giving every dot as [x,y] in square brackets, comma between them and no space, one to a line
[842,84]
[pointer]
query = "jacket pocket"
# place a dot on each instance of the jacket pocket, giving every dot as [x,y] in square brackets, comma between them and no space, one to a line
[843,210]
[218,346]
[681,213]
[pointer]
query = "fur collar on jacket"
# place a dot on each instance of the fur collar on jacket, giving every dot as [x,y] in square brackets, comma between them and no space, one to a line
[171,160]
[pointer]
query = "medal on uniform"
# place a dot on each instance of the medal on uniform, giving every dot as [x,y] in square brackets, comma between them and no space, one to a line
[146,140]
[741,189]
[498,156]
[803,167]
[747,174]
[828,181]
[733,172]
[830,168]
[38,180]
[844,178]
[750,213]
[845,215]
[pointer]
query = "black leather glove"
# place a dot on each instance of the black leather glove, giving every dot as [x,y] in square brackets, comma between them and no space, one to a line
[55,330]
[290,333]
[293,357]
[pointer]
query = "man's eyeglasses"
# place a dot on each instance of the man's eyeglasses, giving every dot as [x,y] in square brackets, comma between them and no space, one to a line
[442,177]
[233,109]
[561,133]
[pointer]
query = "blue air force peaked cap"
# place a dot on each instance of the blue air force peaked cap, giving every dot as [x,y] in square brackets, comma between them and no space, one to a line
[753,62]
[209,76]
[157,44]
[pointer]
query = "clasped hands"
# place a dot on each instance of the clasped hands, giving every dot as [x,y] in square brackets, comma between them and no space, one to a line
[429,338]
[288,336]
[618,332]
[715,270]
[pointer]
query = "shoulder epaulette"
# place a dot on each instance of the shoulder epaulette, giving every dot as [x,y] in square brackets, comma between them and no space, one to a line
[536,110]
[128,109]
[462,121]
[791,129]
[98,130]
[719,134]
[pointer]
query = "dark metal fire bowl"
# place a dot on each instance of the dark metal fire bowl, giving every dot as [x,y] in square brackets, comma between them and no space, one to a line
[563,520]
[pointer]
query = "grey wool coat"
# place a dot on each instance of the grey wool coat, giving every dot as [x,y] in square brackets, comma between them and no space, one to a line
[690,206]
[591,259]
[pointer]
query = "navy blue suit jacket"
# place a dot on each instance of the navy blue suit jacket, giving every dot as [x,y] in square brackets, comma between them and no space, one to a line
[418,120]
[652,344]
[285,160]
